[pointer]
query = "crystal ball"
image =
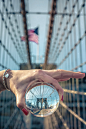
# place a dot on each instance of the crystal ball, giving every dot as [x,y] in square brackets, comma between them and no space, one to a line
[42,99]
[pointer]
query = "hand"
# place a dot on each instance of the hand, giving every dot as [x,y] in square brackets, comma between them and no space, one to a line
[20,80]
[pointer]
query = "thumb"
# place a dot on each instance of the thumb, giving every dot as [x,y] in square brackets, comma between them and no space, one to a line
[20,99]
[20,102]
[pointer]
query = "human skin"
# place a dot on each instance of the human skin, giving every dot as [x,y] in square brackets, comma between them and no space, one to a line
[20,80]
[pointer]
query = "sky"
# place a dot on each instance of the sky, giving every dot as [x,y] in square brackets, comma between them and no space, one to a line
[41,21]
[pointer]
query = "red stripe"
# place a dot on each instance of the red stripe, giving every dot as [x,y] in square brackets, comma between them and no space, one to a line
[32,37]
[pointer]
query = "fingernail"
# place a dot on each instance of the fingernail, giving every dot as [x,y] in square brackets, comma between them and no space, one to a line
[62,98]
[25,111]
[83,73]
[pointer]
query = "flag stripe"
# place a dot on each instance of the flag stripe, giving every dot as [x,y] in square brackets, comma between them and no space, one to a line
[32,36]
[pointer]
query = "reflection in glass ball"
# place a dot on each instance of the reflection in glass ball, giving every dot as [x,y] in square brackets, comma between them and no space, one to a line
[42,99]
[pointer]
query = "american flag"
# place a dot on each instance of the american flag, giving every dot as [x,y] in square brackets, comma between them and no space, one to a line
[32,36]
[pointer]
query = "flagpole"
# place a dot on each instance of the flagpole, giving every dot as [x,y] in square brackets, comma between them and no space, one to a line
[33,36]
[37,53]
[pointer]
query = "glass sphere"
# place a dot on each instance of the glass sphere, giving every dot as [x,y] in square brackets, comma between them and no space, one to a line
[42,99]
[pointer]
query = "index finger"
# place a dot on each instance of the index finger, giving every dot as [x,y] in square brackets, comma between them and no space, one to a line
[49,79]
[62,74]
